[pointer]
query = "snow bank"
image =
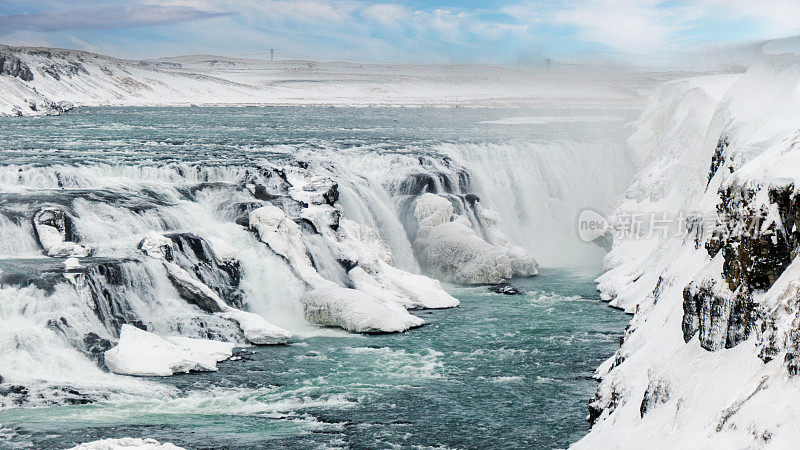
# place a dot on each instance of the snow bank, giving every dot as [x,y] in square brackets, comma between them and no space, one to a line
[126,444]
[453,251]
[141,353]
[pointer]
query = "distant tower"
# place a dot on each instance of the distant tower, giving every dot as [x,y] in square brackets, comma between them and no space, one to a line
[271,54]
[547,63]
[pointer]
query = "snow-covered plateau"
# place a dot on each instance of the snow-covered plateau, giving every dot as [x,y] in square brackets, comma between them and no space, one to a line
[49,81]
[710,358]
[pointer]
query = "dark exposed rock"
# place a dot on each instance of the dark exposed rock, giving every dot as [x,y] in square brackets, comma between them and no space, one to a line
[19,395]
[347,264]
[240,212]
[792,362]
[723,318]
[331,196]
[52,71]
[658,392]
[109,285]
[96,347]
[718,157]
[756,255]
[14,394]
[195,255]
[260,192]
[13,66]
[504,288]
[417,184]
[756,242]
[601,403]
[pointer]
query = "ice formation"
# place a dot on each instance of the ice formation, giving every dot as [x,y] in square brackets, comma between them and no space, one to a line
[372,296]
[452,250]
[141,353]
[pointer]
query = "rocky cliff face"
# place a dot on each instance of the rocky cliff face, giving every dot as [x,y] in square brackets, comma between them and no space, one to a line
[12,66]
[712,353]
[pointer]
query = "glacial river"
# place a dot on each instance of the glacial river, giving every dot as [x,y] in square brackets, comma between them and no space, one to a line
[499,371]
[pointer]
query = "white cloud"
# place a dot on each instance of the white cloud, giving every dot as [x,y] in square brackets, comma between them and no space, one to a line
[387,14]
[631,25]
[301,11]
[780,18]
[652,25]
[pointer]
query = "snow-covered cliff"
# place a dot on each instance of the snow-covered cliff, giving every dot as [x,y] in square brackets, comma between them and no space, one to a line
[706,257]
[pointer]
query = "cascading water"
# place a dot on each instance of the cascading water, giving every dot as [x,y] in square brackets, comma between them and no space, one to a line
[543,187]
[202,189]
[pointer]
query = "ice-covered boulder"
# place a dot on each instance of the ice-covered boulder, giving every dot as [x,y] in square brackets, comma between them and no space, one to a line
[311,189]
[356,311]
[362,245]
[504,288]
[53,228]
[256,329]
[285,238]
[413,290]
[194,290]
[157,246]
[452,251]
[141,353]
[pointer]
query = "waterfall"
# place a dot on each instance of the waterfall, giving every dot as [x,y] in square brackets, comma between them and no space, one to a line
[525,193]
[540,188]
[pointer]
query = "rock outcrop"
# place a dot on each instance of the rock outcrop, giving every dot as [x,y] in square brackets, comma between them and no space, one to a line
[11,65]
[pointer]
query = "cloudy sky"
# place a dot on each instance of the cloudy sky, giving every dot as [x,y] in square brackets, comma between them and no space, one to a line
[425,31]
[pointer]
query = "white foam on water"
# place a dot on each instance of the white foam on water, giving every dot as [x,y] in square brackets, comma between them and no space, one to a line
[546,120]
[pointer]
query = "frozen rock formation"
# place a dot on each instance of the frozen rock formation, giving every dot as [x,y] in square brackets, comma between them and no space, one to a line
[358,311]
[363,292]
[256,330]
[141,353]
[449,247]
[54,230]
